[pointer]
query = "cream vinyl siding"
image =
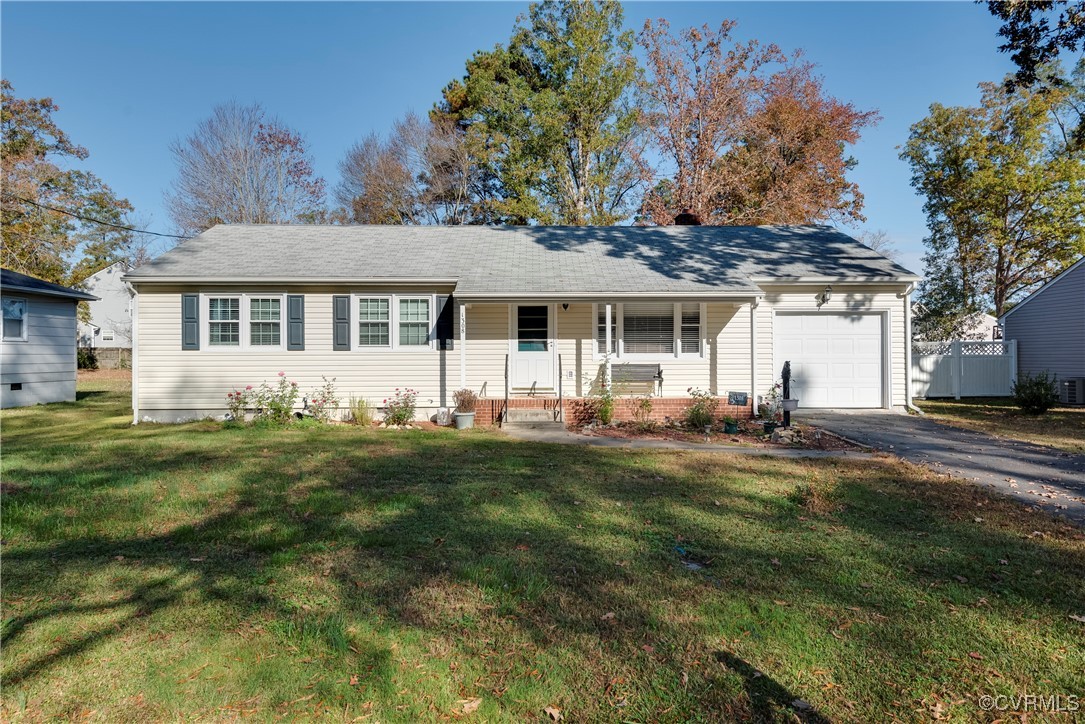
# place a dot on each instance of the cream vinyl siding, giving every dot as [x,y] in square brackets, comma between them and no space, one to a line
[844,299]
[176,384]
[194,383]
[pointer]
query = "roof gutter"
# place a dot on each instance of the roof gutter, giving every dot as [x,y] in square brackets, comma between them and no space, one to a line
[906,279]
[706,296]
[81,296]
[292,280]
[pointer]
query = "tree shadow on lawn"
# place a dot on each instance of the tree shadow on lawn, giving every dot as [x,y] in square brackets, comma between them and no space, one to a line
[439,532]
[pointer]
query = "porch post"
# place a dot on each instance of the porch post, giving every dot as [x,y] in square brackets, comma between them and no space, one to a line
[753,355]
[606,378]
[463,346]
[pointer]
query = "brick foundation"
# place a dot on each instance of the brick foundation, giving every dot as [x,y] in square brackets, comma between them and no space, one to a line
[487,410]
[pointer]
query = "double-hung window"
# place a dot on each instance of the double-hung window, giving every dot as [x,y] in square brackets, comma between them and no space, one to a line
[414,322]
[265,321]
[224,321]
[244,321]
[651,329]
[14,319]
[374,322]
[393,322]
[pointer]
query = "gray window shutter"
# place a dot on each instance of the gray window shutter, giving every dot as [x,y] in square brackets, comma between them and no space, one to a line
[295,321]
[341,323]
[190,321]
[446,308]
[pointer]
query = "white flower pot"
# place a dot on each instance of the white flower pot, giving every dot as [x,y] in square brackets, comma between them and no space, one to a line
[790,405]
[464,420]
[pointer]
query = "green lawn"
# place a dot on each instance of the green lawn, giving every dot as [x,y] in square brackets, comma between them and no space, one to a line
[1061,427]
[197,572]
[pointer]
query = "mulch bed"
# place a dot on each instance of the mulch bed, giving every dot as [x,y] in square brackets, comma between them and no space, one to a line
[750,434]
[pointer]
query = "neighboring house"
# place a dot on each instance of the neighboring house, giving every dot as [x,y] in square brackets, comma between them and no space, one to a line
[1049,326]
[982,327]
[441,308]
[111,315]
[37,352]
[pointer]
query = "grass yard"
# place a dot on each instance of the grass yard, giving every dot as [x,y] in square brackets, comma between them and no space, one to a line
[1061,427]
[202,572]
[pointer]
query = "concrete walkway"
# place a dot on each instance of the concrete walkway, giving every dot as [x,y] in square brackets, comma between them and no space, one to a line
[564,437]
[1042,477]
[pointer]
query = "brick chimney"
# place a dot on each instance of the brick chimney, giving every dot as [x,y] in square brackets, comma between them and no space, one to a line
[687,218]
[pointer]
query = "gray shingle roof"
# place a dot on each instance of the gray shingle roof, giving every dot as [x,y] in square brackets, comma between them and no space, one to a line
[525,259]
[11,281]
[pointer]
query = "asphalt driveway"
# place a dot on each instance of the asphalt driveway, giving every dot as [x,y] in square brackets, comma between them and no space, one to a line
[1039,476]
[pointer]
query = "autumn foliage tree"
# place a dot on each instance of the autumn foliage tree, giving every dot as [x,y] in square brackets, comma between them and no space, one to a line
[552,119]
[425,172]
[1004,196]
[749,134]
[39,164]
[239,166]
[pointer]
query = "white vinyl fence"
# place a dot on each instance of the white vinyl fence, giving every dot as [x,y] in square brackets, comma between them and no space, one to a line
[963,369]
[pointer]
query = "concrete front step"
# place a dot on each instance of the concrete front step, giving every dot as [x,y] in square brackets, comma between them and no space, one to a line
[530,414]
[550,424]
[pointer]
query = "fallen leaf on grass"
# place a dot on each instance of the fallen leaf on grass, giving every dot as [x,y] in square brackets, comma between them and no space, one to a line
[607,616]
[353,679]
[1078,618]
[801,705]
[470,705]
[648,648]
[775,561]
[554,713]
[975,655]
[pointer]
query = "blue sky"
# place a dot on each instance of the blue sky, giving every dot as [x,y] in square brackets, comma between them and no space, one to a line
[132,77]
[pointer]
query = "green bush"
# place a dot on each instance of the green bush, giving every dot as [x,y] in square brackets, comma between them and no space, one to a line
[399,408]
[702,413]
[1035,394]
[86,358]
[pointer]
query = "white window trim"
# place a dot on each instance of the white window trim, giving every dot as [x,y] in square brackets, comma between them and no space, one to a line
[393,324]
[112,335]
[618,310]
[26,321]
[245,332]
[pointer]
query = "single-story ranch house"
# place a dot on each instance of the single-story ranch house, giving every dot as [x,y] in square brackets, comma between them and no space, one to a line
[530,312]
[37,356]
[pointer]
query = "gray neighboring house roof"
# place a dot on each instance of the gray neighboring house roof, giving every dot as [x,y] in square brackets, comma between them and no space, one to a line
[1064,273]
[11,281]
[490,261]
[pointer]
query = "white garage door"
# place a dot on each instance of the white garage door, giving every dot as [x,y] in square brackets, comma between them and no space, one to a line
[836,359]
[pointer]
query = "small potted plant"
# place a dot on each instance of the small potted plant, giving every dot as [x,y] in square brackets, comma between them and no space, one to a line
[465,408]
[730,426]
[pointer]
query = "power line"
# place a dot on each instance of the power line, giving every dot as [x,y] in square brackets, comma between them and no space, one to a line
[93,221]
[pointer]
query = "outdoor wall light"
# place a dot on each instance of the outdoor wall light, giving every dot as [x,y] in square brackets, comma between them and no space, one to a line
[565,306]
[825,296]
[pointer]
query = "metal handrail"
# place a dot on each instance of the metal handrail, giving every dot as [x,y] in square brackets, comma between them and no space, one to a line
[505,410]
[561,408]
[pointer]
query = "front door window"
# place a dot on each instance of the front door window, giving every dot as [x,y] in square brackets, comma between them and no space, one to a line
[532,329]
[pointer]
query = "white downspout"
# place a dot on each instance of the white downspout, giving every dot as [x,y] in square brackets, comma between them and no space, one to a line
[135,353]
[908,350]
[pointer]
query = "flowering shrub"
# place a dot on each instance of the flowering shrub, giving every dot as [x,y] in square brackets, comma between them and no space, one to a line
[323,399]
[274,404]
[702,413]
[237,402]
[399,408]
[642,412]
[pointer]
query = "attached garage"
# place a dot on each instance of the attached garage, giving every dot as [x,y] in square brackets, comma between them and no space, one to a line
[837,360]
